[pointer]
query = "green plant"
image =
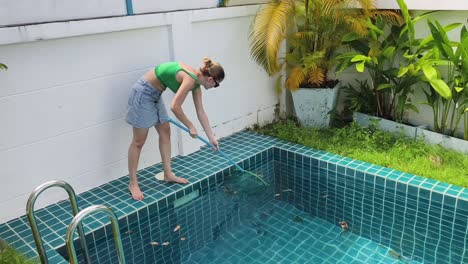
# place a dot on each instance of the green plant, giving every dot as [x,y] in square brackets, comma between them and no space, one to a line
[387,52]
[444,64]
[360,98]
[3,67]
[314,30]
[9,255]
[447,75]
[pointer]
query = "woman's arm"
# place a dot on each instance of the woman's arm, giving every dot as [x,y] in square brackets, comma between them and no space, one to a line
[202,117]
[186,85]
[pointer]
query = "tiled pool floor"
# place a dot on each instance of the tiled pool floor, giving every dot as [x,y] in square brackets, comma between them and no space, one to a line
[278,232]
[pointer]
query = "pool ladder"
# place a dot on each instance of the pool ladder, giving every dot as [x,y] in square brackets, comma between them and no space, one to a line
[76,223]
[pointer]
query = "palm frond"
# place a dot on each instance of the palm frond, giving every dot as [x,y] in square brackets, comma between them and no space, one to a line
[268,31]
[316,76]
[392,16]
[314,61]
[295,78]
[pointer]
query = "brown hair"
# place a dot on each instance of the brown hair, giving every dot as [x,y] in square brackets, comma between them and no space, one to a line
[212,69]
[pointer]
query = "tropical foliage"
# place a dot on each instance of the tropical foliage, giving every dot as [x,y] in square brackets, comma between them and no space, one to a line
[388,54]
[444,64]
[313,30]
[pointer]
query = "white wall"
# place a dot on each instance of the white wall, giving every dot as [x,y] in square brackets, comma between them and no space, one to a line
[425,4]
[13,12]
[63,99]
[151,6]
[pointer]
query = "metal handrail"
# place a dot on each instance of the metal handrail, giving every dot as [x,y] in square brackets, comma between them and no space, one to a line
[32,218]
[77,221]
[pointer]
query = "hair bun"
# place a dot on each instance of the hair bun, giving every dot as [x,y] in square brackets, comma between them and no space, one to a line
[207,62]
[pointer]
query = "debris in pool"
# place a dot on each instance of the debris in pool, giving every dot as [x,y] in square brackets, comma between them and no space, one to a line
[176,228]
[344,225]
[165,243]
[230,190]
[287,190]
[182,238]
[276,195]
[325,194]
[298,219]
[395,254]
[154,243]
[129,232]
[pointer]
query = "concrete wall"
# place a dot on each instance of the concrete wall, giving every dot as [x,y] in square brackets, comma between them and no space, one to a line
[36,11]
[151,6]
[63,99]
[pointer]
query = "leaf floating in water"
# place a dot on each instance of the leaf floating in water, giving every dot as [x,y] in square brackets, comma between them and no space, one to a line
[230,191]
[183,238]
[344,225]
[154,243]
[298,219]
[276,195]
[165,243]
[176,228]
[394,254]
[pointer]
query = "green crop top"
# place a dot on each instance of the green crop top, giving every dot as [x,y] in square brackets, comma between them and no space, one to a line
[166,73]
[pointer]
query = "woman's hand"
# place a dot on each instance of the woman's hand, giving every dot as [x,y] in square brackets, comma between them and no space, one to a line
[193,132]
[215,143]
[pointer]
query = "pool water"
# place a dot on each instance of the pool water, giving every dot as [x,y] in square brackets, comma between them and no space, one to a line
[278,232]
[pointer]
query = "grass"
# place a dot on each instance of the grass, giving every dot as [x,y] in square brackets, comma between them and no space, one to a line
[381,148]
[9,255]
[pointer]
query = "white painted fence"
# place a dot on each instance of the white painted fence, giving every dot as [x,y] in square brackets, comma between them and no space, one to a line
[63,99]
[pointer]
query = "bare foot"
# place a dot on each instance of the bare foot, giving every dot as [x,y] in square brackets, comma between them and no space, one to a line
[172,178]
[135,191]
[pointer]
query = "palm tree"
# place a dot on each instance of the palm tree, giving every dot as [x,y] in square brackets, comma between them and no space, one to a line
[314,30]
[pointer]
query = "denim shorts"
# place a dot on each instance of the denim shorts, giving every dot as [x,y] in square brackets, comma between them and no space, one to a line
[145,106]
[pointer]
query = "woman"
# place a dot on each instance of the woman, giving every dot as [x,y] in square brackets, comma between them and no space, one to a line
[146,109]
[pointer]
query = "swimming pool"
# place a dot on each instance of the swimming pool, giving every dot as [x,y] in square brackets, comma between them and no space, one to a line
[222,217]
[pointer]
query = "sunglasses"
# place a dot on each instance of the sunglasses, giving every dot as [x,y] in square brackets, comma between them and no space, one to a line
[214,79]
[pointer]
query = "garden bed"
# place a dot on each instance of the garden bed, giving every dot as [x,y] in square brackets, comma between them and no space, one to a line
[375,146]
[414,132]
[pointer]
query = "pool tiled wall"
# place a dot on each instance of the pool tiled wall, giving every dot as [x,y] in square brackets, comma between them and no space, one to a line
[417,218]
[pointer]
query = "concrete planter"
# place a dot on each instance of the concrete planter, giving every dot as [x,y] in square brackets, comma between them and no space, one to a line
[313,105]
[414,132]
[386,125]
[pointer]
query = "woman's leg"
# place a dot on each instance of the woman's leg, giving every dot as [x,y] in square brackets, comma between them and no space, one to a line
[164,132]
[139,138]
